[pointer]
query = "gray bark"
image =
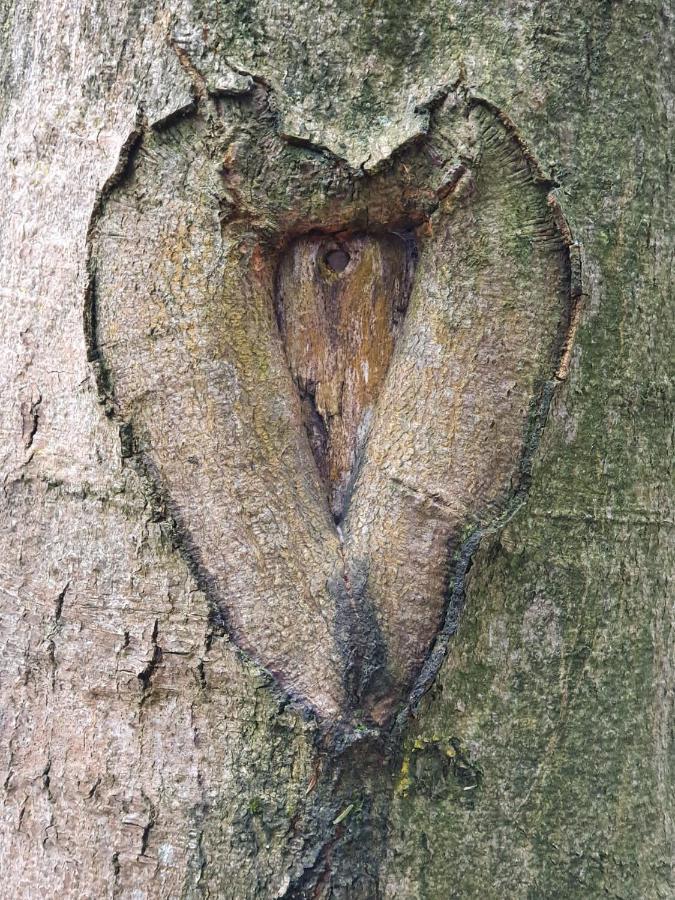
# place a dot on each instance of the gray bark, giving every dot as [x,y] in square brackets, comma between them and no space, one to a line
[180,712]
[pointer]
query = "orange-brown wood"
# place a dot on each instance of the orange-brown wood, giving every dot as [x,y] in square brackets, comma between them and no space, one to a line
[340,303]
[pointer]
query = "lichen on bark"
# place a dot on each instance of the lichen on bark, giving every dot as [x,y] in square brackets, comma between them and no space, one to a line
[539,765]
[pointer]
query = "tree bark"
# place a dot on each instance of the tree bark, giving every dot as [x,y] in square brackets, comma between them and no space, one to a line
[303,597]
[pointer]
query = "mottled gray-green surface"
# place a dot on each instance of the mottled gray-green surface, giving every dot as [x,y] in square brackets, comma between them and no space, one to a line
[142,757]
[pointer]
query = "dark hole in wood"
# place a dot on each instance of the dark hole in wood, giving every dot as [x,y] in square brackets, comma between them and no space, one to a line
[337,260]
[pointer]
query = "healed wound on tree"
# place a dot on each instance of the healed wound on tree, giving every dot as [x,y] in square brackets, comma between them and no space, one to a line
[328,375]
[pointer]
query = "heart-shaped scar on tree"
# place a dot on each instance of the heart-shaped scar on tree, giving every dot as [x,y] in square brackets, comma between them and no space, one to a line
[328,375]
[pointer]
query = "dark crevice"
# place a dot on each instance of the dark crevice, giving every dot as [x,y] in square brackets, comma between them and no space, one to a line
[145,836]
[30,413]
[146,675]
[58,604]
[336,260]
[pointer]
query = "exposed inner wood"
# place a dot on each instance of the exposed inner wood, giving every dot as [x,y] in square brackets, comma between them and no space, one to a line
[340,304]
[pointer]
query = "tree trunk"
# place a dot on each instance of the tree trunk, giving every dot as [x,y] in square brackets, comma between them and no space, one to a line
[336,515]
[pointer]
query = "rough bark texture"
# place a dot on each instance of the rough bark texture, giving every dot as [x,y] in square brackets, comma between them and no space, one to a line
[198,326]
[145,755]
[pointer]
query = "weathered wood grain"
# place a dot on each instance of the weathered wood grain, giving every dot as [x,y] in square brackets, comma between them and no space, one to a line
[340,304]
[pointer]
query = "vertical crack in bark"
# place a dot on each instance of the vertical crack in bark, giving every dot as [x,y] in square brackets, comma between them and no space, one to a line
[30,419]
[149,825]
[145,676]
[58,603]
[116,872]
